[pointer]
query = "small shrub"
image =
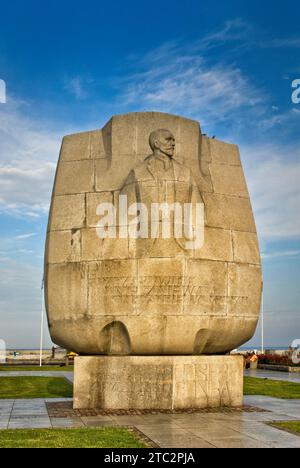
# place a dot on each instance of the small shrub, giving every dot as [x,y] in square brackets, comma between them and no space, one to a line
[276,360]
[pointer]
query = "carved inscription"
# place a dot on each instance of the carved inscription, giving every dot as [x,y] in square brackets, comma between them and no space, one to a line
[154,386]
[157,289]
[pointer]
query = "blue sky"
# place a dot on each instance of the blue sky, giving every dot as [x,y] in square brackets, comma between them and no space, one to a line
[69,66]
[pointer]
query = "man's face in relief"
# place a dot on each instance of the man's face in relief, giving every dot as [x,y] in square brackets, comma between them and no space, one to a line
[165,143]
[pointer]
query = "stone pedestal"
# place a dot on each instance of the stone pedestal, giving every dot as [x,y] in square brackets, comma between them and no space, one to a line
[158,382]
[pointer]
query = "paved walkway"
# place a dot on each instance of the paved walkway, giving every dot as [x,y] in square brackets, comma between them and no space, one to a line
[274,375]
[211,430]
[196,430]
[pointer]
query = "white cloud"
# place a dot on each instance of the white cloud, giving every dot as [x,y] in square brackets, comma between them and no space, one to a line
[25,251]
[25,236]
[283,42]
[235,30]
[280,254]
[187,80]
[273,174]
[287,119]
[187,84]
[77,86]
[28,155]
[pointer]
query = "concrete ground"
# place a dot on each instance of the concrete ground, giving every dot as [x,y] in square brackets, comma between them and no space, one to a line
[196,430]
[274,375]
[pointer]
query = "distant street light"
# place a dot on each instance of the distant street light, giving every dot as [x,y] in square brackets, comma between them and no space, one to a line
[42,325]
[262,323]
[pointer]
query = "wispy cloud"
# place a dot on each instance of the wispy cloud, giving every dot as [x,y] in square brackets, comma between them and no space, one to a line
[288,119]
[280,254]
[25,236]
[78,86]
[25,251]
[181,80]
[188,79]
[280,43]
[234,31]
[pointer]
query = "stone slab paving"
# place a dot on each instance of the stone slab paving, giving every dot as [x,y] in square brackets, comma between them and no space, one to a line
[273,375]
[24,414]
[184,430]
[196,430]
[289,409]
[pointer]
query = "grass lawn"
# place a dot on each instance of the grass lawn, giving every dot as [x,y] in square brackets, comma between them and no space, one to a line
[107,437]
[272,388]
[293,426]
[35,387]
[36,368]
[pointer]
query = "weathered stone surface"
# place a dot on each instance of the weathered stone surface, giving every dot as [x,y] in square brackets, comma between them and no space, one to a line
[67,298]
[75,147]
[244,289]
[206,144]
[229,180]
[68,212]
[93,200]
[111,288]
[86,145]
[217,245]
[208,288]
[225,212]
[64,246]
[107,249]
[165,382]
[224,153]
[151,296]
[75,177]
[245,247]
[98,148]
[111,177]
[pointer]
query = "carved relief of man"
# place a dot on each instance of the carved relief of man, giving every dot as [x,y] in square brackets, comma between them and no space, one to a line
[161,179]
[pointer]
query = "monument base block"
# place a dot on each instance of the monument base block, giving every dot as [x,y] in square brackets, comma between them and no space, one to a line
[158,382]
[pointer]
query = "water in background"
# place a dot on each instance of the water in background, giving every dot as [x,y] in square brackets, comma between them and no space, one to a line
[252,348]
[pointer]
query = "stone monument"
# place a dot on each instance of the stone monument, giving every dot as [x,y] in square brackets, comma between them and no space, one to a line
[152,317]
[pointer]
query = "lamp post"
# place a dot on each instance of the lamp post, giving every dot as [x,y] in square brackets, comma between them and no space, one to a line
[262,323]
[42,325]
